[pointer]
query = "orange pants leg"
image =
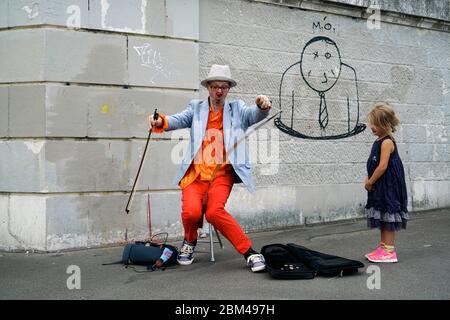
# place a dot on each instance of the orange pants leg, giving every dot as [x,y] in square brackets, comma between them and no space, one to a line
[218,194]
[191,208]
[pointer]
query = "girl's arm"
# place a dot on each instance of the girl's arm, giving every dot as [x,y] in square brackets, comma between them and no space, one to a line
[386,149]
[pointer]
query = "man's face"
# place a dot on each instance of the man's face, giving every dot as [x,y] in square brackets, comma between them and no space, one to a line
[218,91]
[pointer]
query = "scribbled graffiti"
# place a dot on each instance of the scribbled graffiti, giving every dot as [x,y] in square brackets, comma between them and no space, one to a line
[153,59]
[32,11]
[319,94]
[149,56]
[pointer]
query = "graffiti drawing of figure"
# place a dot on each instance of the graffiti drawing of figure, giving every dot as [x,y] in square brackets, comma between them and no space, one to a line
[335,114]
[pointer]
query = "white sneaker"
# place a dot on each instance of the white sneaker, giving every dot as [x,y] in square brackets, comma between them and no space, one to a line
[185,256]
[256,262]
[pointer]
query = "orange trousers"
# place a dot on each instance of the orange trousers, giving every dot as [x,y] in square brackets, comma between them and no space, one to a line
[217,196]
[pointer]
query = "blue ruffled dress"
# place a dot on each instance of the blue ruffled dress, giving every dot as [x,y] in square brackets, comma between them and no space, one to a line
[386,207]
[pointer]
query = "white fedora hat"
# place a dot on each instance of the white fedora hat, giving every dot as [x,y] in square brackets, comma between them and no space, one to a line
[219,73]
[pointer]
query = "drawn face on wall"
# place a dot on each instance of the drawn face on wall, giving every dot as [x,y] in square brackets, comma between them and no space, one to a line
[320,63]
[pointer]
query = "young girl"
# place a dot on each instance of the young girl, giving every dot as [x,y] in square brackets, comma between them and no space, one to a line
[386,197]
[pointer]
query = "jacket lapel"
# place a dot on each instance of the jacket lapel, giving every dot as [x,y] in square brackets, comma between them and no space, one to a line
[227,123]
[204,111]
[200,128]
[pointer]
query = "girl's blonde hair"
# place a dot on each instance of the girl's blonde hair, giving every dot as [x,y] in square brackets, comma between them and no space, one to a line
[384,117]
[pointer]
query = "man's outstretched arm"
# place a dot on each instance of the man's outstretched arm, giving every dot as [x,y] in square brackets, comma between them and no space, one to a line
[252,115]
[177,121]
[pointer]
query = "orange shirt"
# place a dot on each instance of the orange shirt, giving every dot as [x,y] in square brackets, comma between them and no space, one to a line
[212,152]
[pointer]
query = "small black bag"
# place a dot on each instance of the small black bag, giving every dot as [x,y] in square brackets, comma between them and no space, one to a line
[147,253]
[153,254]
[292,261]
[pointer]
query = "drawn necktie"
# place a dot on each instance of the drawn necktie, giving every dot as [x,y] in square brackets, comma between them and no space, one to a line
[323,112]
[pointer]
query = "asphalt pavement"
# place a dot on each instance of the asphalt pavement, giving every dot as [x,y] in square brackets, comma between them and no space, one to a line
[423,270]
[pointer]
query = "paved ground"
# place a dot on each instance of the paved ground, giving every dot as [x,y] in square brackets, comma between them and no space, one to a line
[423,271]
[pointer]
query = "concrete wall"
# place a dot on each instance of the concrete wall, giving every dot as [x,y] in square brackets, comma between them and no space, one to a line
[77,82]
[78,79]
[323,180]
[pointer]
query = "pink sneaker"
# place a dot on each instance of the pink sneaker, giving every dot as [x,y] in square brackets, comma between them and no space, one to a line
[373,252]
[383,256]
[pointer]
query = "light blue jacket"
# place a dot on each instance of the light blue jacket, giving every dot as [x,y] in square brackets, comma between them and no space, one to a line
[237,117]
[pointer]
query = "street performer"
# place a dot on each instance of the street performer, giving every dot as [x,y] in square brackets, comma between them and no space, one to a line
[207,173]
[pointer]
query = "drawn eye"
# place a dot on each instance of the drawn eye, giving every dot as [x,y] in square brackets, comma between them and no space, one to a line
[316,55]
[327,55]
